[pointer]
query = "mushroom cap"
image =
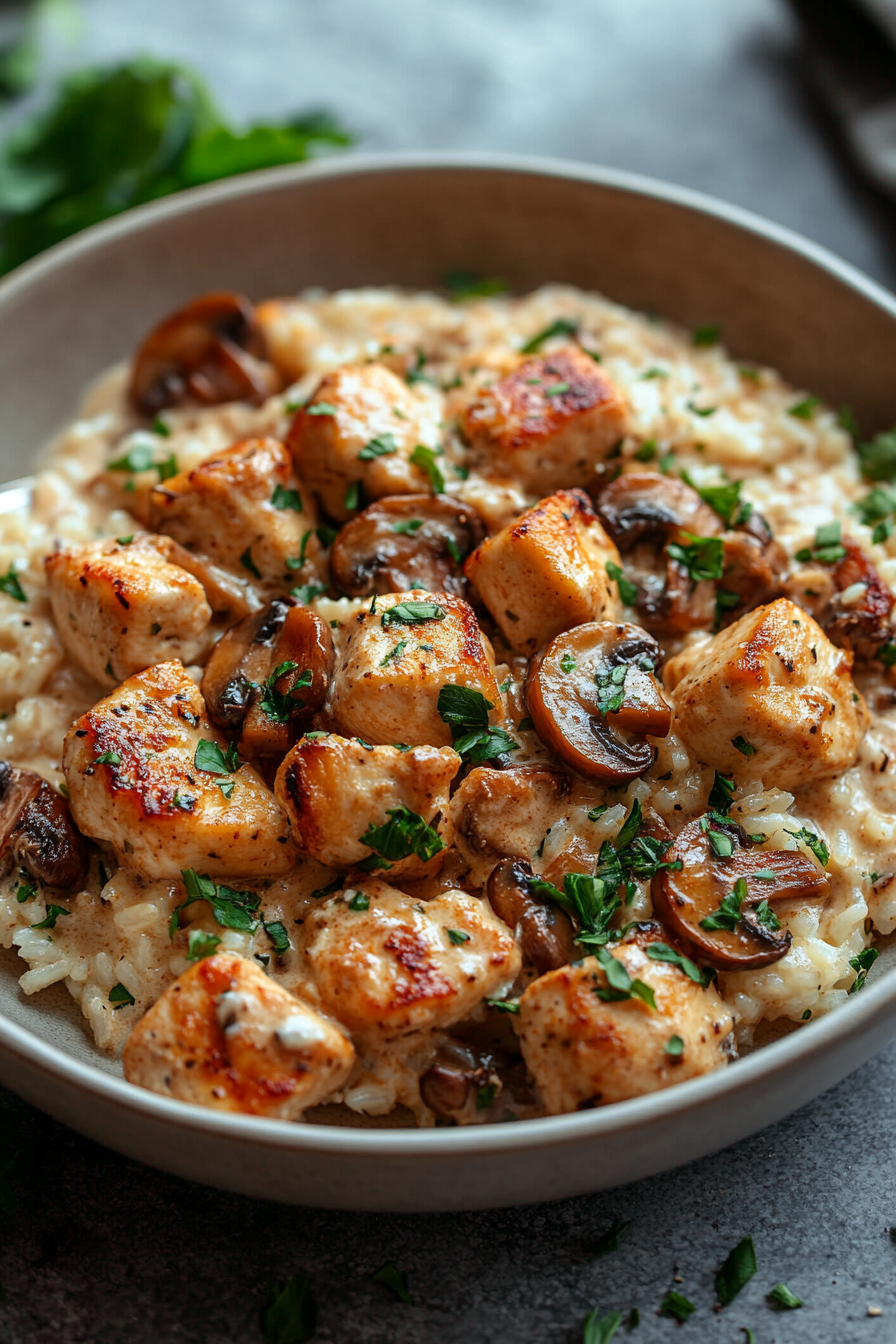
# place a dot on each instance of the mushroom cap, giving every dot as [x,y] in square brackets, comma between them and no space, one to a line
[683,898]
[37,829]
[545,933]
[566,683]
[406,541]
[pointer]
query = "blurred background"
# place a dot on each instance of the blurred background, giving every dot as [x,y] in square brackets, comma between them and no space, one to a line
[787,108]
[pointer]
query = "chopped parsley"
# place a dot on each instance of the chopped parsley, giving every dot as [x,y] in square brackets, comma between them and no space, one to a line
[736,1271]
[290,1315]
[307,592]
[556,389]
[628,591]
[723,499]
[600,1329]
[743,746]
[231,909]
[611,689]
[352,500]
[140,457]
[827,548]
[394,654]
[813,842]
[391,1277]
[120,997]
[781,1296]
[53,913]
[10,585]
[674,1047]
[107,758]
[248,563]
[721,793]
[408,527]
[425,459]
[125,541]
[802,410]
[382,445]
[677,1305]
[226,786]
[567,663]
[878,458]
[728,915]
[722,844]
[561,326]
[702,557]
[861,964]
[647,450]
[359,901]
[709,335]
[326,535]
[321,408]
[703,411]
[608,1241]
[286,499]
[597,812]
[411,613]
[463,285]
[404,834]
[161,428]
[670,955]
[457,936]
[201,944]
[276,931]
[876,510]
[620,985]
[280,705]
[504,1005]
[27,890]
[210,758]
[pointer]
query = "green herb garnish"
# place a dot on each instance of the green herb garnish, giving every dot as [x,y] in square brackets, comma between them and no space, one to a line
[781,1296]
[405,834]
[802,410]
[861,964]
[728,915]
[248,563]
[827,549]
[276,931]
[600,1329]
[702,557]
[743,746]
[201,944]
[425,459]
[53,913]
[736,1271]
[457,936]
[382,445]
[608,1241]
[463,285]
[412,613]
[10,585]
[120,997]
[628,591]
[231,909]
[282,498]
[676,1305]
[290,1315]
[709,335]
[210,758]
[561,326]
[391,1277]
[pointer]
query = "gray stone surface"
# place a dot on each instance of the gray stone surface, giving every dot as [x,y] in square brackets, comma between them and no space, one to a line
[102,1250]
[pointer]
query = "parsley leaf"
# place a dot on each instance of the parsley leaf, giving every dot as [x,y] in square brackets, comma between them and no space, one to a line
[878,458]
[248,563]
[677,1305]
[628,591]
[561,326]
[702,557]
[307,592]
[827,549]
[663,952]
[783,1297]
[743,746]
[813,842]
[425,459]
[395,653]
[721,793]
[802,410]
[608,1241]
[392,1278]
[290,1315]
[412,613]
[405,834]
[462,285]
[107,758]
[861,964]
[674,1047]
[231,909]
[728,915]
[120,997]
[360,900]
[407,528]
[600,1329]
[504,1005]
[382,445]
[286,499]
[321,408]
[736,1271]
[709,335]
[466,713]
[201,944]
[9,584]
[620,985]
[723,499]
[457,937]
[276,931]
[611,689]
[279,706]
[765,915]
[210,758]
[53,913]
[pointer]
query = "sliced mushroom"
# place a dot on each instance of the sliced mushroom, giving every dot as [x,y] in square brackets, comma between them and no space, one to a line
[545,933]
[471,1085]
[236,681]
[571,677]
[684,898]
[37,830]
[754,565]
[858,615]
[645,506]
[403,542]
[207,352]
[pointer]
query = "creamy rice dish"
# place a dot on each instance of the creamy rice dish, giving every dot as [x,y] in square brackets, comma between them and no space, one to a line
[458,711]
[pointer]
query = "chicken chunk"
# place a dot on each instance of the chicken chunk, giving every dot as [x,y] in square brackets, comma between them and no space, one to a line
[583,1050]
[334,789]
[390,669]
[501,814]
[359,431]
[133,780]
[225,1035]
[547,571]
[385,965]
[242,508]
[549,422]
[121,607]
[769,698]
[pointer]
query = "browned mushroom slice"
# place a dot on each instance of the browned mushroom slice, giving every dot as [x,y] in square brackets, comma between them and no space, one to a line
[858,615]
[594,699]
[37,830]
[645,506]
[545,933]
[753,567]
[402,542]
[210,351]
[470,1085]
[268,675]
[732,894]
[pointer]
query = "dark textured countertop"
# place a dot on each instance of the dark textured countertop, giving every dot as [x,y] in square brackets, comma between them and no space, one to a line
[105,1251]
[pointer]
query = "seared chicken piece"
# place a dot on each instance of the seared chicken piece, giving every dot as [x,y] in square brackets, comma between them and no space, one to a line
[774,684]
[386,965]
[502,814]
[227,1036]
[122,607]
[242,508]
[389,670]
[547,571]
[584,1051]
[130,768]
[357,433]
[549,423]
[333,788]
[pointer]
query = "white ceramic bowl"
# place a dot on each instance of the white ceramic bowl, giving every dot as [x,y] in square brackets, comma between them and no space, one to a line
[408,220]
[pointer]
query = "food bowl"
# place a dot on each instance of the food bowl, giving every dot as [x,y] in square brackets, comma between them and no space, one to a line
[408,220]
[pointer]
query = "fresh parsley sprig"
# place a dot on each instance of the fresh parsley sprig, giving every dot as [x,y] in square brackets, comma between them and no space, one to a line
[466,711]
[231,909]
[405,833]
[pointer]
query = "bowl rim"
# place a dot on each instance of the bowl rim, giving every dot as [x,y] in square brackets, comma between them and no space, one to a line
[765,1064]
